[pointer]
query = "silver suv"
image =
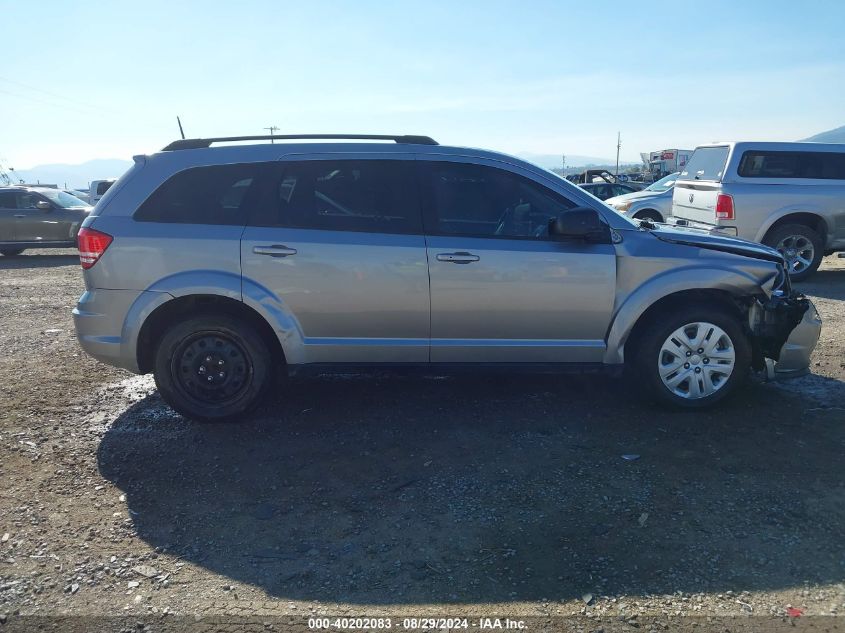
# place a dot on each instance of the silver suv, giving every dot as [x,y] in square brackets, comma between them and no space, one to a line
[790,196]
[215,267]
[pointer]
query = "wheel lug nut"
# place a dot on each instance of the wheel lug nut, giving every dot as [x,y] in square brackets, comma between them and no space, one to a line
[208,359]
[221,374]
[210,378]
[700,350]
[689,353]
[698,370]
[706,360]
[221,362]
[686,365]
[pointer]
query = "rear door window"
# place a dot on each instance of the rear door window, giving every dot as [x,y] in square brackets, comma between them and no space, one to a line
[215,194]
[768,164]
[374,196]
[707,163]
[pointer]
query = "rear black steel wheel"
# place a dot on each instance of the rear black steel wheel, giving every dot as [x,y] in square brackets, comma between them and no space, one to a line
[212,367]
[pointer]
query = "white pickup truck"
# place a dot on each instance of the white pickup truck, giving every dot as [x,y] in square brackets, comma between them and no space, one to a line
[98,188]
[790,196]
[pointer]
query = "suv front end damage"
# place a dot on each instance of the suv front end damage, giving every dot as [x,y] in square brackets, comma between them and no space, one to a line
[784,329]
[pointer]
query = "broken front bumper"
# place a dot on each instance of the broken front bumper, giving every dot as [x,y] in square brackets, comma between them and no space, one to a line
[785,330]
[795,354]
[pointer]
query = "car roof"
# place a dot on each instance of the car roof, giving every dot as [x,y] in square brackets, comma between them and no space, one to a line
[782,146]
[266,151]
[23,188]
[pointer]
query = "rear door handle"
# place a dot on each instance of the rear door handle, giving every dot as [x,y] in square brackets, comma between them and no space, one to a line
[461,257]
[276,250]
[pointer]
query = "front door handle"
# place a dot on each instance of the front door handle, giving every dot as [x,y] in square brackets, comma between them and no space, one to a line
[461,257]
[276,250]
[20,215]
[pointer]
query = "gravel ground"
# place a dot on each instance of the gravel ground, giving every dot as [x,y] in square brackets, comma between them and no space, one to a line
[401,496]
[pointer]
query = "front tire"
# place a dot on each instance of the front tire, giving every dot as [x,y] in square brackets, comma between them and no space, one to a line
[692,359]
[801,246]
[212,368]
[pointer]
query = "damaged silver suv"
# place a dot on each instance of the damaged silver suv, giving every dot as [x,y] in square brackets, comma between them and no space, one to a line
[214,265]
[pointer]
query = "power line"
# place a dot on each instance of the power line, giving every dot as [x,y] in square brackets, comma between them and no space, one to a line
[65,106]
[53,94]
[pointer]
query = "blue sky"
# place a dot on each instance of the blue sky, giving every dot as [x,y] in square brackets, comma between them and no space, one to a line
[84,80]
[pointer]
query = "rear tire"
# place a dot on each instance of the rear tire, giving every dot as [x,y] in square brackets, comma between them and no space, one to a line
[11,252]
[802,247]
[212,367]
[666,359]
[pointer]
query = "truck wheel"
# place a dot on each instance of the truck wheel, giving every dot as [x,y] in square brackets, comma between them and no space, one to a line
[212,368]
[800,245]
[10,252]
[649,214]
[693,358]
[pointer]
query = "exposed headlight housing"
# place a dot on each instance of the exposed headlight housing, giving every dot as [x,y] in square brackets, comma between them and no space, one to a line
[622,206]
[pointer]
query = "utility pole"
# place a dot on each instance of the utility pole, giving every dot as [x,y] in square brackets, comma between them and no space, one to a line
[618,146]
[272,129]
[563,165]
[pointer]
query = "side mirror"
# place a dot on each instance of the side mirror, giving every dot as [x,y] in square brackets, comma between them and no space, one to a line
[43,205]
[580,223]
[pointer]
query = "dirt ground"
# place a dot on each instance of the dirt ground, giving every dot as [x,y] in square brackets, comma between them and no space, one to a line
[410,496]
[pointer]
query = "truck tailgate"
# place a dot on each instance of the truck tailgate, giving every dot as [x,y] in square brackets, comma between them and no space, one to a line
[696,201]
[699,184]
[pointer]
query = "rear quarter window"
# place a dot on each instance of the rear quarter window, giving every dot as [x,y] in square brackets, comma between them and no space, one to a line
[707,163]
[215,194]
[768,164]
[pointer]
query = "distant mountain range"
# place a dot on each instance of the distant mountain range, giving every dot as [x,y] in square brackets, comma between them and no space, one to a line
[74,176]
[550,161]
[831,136]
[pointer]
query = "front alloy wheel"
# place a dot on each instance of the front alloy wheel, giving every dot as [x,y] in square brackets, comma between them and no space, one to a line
[696,360]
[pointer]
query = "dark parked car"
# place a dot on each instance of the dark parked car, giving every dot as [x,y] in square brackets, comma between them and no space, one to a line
[39,217]
[605,190]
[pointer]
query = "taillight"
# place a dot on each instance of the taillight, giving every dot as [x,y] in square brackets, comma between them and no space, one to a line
[725,207]
[92,245]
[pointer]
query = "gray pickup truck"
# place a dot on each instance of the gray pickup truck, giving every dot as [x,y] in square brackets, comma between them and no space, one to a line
[39,217]
[790,196]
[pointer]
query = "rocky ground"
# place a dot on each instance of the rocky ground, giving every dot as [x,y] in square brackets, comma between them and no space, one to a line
[530,496]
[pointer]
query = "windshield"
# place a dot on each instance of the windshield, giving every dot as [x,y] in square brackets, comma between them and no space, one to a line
[62,199]
[707,163]
[664,184]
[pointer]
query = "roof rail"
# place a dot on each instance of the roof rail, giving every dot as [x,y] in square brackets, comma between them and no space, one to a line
[197,143]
